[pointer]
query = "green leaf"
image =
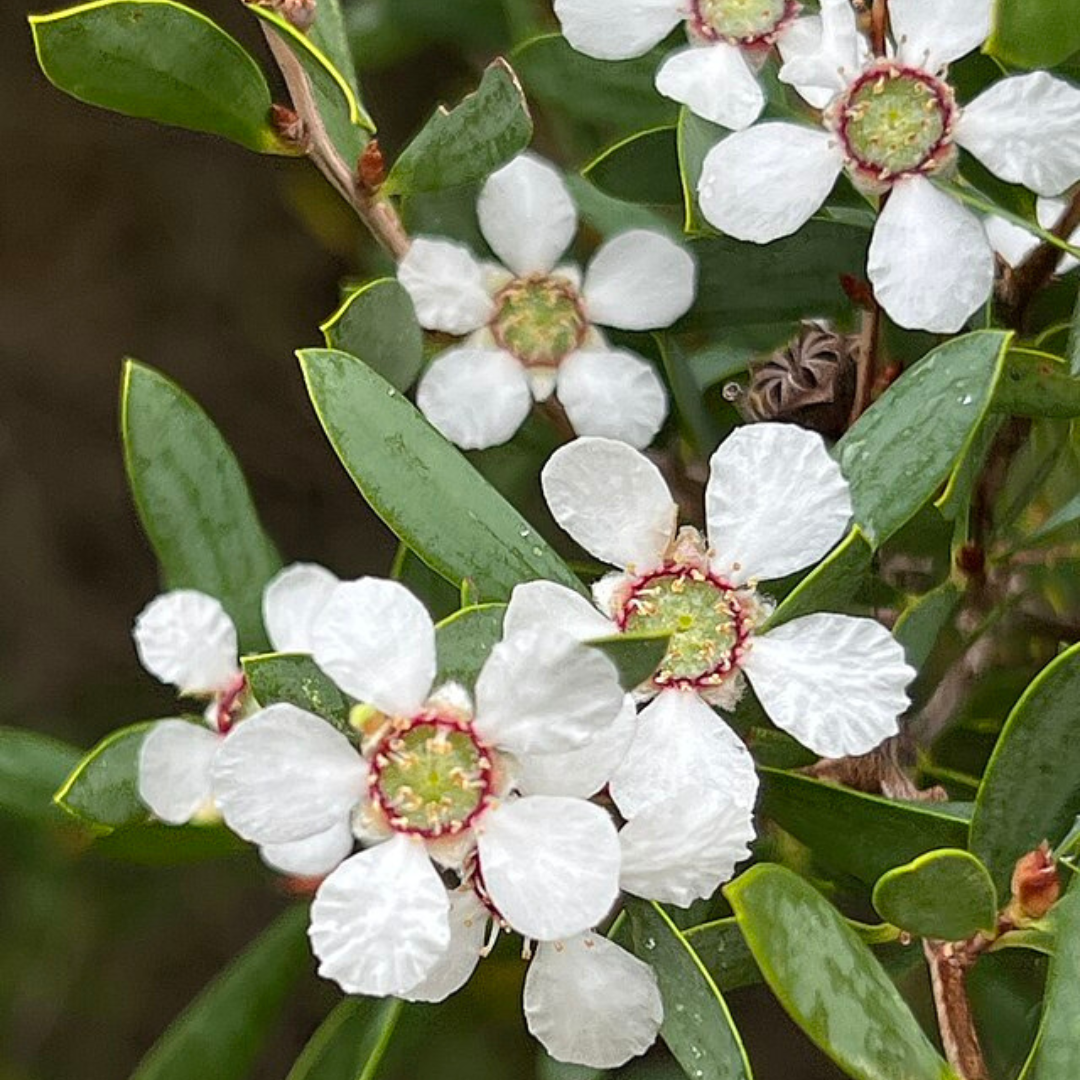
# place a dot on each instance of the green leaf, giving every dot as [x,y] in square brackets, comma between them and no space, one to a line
[296,678]
[700,426]
[636,656]
[722,949]
[193,500]
[350,1043]
[922,621]
[906,444]
[330,36]
[1030,791]
[1034,33]
[1073,347]
[697,1027]
[222,1031]
[864,835]
[1037,384]
[152,844]
[161,61]
[32,767]
[483,132]
[642,168]
[945,894]
[828,981]
[103,788]
[404,467]
[378,324]
[695,137]
[464,641]
[609,216]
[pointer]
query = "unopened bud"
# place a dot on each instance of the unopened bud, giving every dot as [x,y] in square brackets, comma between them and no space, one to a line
[371,168]
[289,126]
[1035,883]
[301,13]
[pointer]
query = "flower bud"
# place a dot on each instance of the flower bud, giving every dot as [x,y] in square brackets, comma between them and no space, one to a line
[1035,883]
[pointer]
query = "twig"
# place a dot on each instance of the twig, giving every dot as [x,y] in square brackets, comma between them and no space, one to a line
[866,361]
[948,968]
[879,26]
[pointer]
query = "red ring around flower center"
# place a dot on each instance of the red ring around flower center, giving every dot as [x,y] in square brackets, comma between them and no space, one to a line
[750,24]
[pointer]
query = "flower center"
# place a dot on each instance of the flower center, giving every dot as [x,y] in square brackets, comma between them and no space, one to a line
[539,319]
[702,613]
[430,775]
[741,22]
[896,120]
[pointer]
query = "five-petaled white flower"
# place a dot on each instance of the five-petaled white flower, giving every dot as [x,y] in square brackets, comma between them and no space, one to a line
[434,780]
[532,326]
[1015,243]
[895,124]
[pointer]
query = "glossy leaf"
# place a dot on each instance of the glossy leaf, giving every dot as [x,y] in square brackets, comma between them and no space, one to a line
[378,324]
[350,1043]
[404,467]
[464,641]
[945,894]
[636,656]
[161,61]
[922,621]
[296,678]
[695,138]
[906,444]
[700,426]
[722,949]
[1037,384]
[642,168]
[828,981]
[697,1027]
[329,34]
[1034,33]
[607,216]
[1030,791]
[32,767]
[484,131]
[222,1031]
[193,500]
[103,789]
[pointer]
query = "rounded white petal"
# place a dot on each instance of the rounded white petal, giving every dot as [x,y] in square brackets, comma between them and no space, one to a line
[377,642]
[1010,241]
[580,773]
[292,602]
[768,181]
[550,865]
[446,284]
[526,215]
[775,502]
[930,261]
[685,848]
[1048,211]
[715,82]
[1024,130]
[380,922]
[590,1002]
[285,774]
[187,639]
[314,855]
[542,692]
[175,760]
[932,33]
[468,925]
[835,682]
[543,605]
[822,53]
[614,394]
[639,280]
[475,397]
[612,500]
[681,743]
[615,29]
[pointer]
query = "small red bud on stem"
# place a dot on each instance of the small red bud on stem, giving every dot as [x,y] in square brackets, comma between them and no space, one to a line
[371,168]
[1036,885]
[289,125]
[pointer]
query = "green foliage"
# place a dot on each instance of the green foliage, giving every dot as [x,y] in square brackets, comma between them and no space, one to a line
[1034,33]
[642,168]
[635,656]
[722,949]
[464,640]
[350,1042]
[298,680]
[32,767]
[1037,384]
[103,789]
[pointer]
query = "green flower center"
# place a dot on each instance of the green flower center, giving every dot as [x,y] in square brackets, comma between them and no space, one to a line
[741,22]
[894,120]
[704,618]
[430,776]
[539,319]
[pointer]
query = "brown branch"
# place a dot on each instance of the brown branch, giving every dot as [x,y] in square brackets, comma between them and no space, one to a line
[879,26]
[949,965]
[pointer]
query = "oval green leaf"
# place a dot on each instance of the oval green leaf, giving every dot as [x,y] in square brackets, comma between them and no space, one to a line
[722,949]
[296,678]
[635,656]
[642,168]
[922,621]
[464,640]
[1034,33]
[1037,384]
[32,767]
[350,1043]
[330,36]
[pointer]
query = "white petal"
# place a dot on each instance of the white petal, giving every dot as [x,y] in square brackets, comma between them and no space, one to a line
[550,865]
[685,848]
[446,285]
[930,261]
[543,605]
[175,759]
[1024,130]
[526,215]
[616,29]
[590,1002]
[835,682]
[932,33]
[768,181]
[775,502]
[639,280]
[715,82]
[583,772]
[380,921]
[681,743]
[612,500]
[186,638]
[314,855]
[541,691]
[476,397]
[822,54]
[468,925]
[377,642]
[614,394]
[284,774]
[292,602]
[1010,241]
[1048,211]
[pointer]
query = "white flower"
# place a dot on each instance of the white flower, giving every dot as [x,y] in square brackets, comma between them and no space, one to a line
[894,124]
[1014,243]
[532,326]
[434,779]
